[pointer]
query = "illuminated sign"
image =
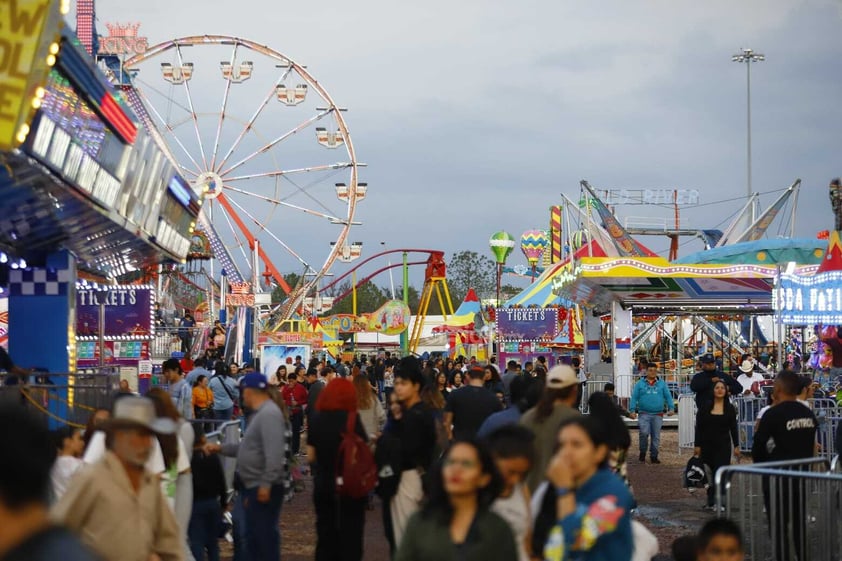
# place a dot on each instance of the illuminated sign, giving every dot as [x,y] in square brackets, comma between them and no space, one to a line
[128,312]
[180,190]
[682,197]
[241,294]
[809,300]
[29,29]
[123,40]
[527,324]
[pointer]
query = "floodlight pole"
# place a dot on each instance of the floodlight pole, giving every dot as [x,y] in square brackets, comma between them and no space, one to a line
[748,56]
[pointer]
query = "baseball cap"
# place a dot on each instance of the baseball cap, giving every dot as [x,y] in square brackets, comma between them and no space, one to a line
[254,380]
[561,376]
[707,358]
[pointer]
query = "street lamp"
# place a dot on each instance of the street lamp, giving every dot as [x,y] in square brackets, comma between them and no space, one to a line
[748,56]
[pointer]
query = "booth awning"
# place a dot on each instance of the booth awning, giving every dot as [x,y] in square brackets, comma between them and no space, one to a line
[654,285]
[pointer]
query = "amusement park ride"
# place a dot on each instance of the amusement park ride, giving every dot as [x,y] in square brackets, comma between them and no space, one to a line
[196,169]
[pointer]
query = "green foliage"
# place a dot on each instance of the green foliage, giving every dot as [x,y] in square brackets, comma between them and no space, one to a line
[469,269]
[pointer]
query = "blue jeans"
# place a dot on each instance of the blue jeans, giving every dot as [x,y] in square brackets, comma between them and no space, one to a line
[223,414]
[262,524]
[650,425]
[203,531]
[241,551]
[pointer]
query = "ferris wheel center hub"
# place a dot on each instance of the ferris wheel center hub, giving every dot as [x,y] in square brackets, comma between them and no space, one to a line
[212,181]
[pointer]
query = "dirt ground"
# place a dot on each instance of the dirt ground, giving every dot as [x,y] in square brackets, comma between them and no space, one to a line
[666,508]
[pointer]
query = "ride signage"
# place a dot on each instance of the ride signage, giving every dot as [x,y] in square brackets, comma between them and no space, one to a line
[809,300]
[123,40]
[241,295]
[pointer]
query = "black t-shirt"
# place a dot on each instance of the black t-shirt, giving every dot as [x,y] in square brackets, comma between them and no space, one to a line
[49,545]
[471,406]
[417,433]
[325,435]
[208,477]
[787,431]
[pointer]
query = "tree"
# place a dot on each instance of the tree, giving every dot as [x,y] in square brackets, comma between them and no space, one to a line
[414,296]
[369,299]
[278,294]
[468,269]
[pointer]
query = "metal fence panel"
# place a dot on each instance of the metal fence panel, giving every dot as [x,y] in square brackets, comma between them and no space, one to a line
[686,421]
[786,510]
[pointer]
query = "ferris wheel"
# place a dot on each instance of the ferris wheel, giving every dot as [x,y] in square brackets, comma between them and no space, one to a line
[266,143]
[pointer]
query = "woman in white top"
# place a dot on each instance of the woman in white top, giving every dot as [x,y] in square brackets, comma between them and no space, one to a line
[70,447]
[371,411]
[513,450]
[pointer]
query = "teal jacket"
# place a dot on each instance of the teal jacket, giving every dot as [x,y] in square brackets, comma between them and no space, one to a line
[651,398]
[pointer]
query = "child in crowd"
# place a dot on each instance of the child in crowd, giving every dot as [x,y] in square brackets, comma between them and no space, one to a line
[513,450]
[719,539]
[210,498]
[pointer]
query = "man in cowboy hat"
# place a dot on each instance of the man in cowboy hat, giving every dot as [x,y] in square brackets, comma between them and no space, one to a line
[116,506]
[748,378]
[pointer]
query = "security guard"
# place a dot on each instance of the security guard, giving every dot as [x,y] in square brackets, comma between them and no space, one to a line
[703,382]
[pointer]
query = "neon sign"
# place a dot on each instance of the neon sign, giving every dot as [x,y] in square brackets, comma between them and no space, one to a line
[807,300]
[123,40]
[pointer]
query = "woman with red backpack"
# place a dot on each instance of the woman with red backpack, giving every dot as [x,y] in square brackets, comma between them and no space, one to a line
[340,516]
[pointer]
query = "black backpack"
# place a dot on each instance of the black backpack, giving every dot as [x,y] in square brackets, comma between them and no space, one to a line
[695,474]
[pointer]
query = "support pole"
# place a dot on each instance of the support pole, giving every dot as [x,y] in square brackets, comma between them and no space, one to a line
[405,334]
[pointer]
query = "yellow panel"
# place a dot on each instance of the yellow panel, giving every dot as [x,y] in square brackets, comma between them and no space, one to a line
[27,29]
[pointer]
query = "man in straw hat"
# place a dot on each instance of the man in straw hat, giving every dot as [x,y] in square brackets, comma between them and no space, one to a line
[116,506]
[748,378]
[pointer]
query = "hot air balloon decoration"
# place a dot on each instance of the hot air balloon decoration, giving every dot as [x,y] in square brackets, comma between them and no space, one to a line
[533,243]
[501,243]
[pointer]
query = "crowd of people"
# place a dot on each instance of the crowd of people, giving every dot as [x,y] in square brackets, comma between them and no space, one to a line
[469,463]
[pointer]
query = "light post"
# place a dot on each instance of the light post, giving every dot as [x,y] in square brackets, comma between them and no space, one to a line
[501,243]
[748,56]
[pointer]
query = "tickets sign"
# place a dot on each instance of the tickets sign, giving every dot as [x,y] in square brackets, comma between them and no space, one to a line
[527,324]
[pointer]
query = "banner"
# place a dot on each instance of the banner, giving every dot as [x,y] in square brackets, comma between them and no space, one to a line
[527,324]
[809,300]
[128,312]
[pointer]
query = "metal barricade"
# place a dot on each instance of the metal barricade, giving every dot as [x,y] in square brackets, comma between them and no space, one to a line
[787,510]
[66,398]
[747,409]
[686,421]
[829,416]
[598,385]
[227,433]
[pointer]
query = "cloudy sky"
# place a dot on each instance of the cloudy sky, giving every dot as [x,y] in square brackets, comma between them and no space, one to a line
[474,115]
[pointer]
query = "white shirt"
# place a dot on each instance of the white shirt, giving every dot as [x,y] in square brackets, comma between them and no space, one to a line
[746,381]
[62,472]
[515,510]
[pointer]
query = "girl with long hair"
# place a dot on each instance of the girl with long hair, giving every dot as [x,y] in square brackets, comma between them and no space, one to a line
[457,522]
[716,434]
[176,479]
[340,520]
[371,411]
